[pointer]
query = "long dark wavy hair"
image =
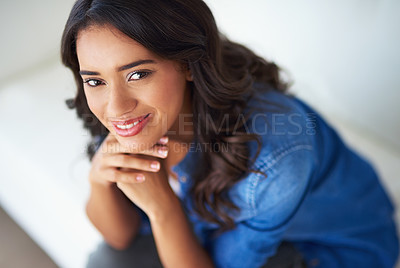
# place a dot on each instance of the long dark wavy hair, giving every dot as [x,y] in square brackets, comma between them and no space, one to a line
[224,74]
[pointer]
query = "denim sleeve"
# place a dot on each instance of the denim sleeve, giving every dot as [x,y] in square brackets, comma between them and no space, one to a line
[267,205]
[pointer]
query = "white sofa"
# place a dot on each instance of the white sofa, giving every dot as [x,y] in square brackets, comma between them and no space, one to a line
[43,173]
[43,167]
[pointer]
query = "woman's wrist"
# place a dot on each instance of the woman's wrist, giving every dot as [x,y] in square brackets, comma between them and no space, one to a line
[163,213]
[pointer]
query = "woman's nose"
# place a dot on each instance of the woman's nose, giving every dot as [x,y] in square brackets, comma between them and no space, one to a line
[120,102]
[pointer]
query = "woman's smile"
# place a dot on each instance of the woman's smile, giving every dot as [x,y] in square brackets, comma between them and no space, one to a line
[131,127]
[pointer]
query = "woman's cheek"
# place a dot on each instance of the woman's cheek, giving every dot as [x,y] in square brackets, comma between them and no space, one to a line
[97,108]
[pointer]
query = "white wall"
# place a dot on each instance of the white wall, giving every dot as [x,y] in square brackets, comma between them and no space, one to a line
[30,33]
[342,55]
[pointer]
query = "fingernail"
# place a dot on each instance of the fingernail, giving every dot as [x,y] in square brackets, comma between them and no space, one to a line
[155,165]
[164,140]
[140,177]
[163,151]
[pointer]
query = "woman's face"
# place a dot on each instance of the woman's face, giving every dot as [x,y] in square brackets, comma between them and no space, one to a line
[137,95]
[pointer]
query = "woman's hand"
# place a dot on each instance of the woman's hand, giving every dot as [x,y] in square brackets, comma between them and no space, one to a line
[142,177]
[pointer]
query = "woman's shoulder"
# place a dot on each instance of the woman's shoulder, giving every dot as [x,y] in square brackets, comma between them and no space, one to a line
[282,122]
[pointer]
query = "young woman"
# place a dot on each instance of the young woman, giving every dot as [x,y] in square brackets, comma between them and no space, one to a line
[196,142]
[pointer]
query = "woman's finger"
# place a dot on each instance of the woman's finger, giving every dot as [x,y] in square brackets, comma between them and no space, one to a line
[163,140]
[160,151]
[112,146]
[132,162]
[116,175]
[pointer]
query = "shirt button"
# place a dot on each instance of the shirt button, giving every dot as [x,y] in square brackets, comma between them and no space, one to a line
[183,179]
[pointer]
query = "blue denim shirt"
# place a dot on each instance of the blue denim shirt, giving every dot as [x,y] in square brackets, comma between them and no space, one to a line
[318,194]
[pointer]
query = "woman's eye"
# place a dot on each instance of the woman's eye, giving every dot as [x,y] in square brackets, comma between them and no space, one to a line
[138,75]
[93,82]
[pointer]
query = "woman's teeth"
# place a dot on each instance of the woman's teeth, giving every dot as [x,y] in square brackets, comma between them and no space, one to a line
[128,126]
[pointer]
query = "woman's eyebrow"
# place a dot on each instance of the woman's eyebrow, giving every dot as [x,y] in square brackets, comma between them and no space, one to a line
[122,68]
[83,72]
[134,64]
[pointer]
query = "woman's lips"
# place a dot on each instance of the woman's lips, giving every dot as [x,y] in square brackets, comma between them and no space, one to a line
[130,127]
